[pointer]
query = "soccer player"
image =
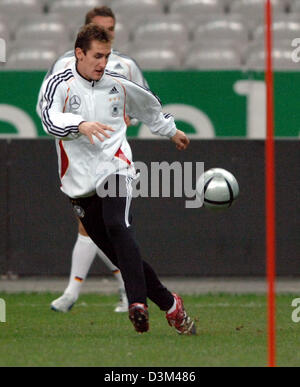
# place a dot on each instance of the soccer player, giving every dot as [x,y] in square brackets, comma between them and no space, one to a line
[91,136]
[85,249]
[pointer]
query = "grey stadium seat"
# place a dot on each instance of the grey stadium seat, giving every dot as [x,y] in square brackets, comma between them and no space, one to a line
[17,9]
[31,59]
[294,6]
[254,9]
[194,21]
[51,45]
[282,59]
[282,30]
[156,46]
[196,7]
[43,27]
[130,10]
[4,31]
[162,29]
[122,36]
[282,55]
[157,59]
[213,58]
[73,10]
[222,30]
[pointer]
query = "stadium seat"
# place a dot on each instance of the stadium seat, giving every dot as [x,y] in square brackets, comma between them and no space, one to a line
[31,59]
[157,59]
[294,6]
[122,36]
[52,45]
[254,9]
[282,30]
[196,7]
[208,57]
[131,10]
[282,59]
[166,4]
[222,30]
[4,32]
[15,10]
[167,45]
[160,29]
[73,10]
[282,55]
[43,27]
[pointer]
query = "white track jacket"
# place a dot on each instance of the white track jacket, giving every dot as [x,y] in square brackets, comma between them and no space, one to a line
[118,62]
[69,99]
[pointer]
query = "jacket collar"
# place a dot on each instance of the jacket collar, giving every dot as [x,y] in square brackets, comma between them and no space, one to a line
[83,80]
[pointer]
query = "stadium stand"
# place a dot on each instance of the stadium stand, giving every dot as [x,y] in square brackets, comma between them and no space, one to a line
[17,9]
[122,36]
[163,28]
[4,31]
[28,58]
[208,57]
[72,10]
[192,7]
[234,27]
[222,30]
[134,10]
[43,27]
[282,30]
[157,58]
[294,6]
[254,9]
[281,56]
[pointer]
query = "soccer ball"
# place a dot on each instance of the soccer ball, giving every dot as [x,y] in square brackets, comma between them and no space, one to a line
[217,188]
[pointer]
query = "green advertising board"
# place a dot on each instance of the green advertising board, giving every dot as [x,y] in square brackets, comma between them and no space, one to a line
[205,104]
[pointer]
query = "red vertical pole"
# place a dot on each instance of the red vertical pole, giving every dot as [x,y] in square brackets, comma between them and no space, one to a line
[270,189]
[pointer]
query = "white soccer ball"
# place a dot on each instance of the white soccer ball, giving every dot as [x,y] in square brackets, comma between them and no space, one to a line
[217,188]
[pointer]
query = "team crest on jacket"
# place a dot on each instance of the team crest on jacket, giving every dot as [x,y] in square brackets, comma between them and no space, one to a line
[75,102]
[115,110]
[79,211]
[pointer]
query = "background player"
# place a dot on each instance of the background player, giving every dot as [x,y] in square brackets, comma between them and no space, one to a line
[85,249]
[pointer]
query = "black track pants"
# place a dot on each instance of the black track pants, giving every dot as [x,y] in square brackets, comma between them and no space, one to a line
[107,220]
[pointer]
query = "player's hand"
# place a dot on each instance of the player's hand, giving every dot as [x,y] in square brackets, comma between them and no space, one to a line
[96,129]
[181,140]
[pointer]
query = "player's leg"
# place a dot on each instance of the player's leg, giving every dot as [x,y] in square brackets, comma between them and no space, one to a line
[107,222]
[82,263]
[83,255]
[172,304]
[140,279]
[122,306]
[103,219]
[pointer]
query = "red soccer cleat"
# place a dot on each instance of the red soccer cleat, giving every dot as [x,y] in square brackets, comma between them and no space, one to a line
[179,319]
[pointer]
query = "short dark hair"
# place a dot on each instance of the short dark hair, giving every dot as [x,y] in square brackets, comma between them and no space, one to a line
[99,11]
[88,33]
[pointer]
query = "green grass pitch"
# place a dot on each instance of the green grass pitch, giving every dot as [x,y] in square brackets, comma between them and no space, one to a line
[232,331]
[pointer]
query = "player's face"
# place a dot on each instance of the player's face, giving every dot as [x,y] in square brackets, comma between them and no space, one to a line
[107,23]
[91,65]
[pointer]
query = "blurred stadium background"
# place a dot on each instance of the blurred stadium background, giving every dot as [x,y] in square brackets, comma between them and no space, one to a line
[160,34]
[205,59]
